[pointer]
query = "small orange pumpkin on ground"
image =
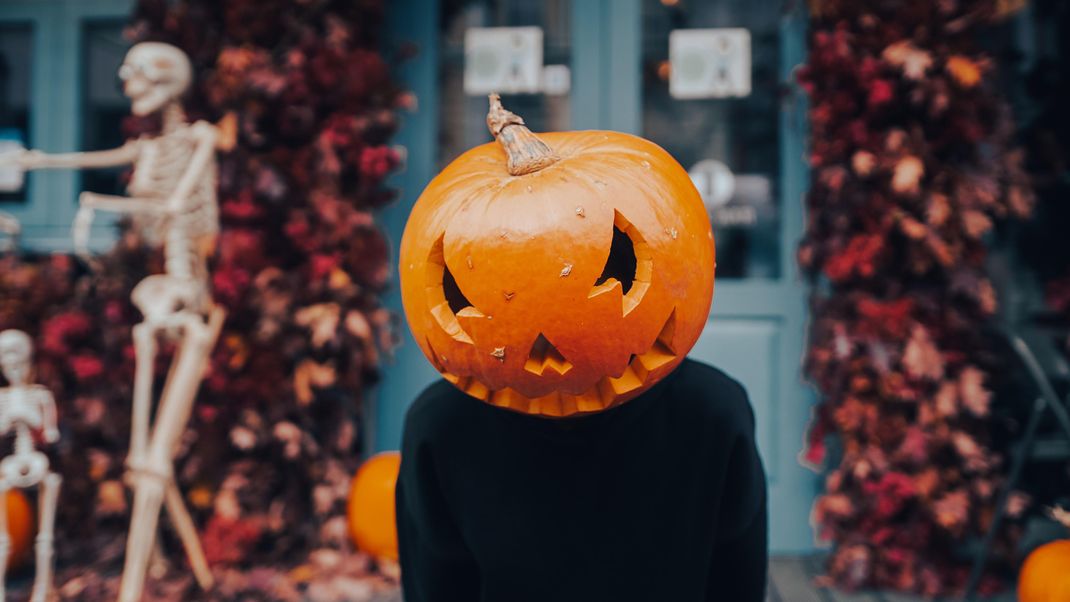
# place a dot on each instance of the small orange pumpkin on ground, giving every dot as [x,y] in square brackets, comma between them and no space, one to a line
[372,515]
[21,526]
[1045,574]
[557,274]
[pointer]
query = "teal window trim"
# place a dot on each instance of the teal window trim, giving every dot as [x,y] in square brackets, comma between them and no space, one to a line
[56,116]
[604,44]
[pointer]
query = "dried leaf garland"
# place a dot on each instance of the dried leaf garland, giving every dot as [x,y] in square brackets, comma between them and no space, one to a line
[899,209]
[300,268]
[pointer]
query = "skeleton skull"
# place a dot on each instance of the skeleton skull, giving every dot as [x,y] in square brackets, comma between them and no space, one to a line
[16,349]
[154,74]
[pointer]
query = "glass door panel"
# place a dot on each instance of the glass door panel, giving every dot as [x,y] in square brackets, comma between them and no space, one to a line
[463,116]
[16,66]
[729,144]
[103,104]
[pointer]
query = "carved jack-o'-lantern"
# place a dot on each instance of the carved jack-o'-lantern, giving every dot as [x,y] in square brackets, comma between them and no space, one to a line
[557,274]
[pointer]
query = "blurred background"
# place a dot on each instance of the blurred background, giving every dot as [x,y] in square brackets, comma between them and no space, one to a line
[886,181]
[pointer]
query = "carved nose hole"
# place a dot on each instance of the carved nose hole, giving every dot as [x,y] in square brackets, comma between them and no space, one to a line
[544,355]
[621,263]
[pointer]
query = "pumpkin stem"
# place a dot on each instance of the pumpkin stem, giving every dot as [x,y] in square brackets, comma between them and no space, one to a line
[527,152]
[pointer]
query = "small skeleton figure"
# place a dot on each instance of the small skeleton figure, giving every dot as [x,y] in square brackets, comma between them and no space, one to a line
[173,191]
[10,228]
[25,407]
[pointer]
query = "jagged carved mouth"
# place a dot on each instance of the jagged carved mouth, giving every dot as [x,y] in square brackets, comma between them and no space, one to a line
[543,357]
[628,269]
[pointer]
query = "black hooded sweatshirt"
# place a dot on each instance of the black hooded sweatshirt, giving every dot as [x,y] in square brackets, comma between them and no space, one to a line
[662,498]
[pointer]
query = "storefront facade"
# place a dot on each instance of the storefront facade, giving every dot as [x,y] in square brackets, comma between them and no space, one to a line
[611,69]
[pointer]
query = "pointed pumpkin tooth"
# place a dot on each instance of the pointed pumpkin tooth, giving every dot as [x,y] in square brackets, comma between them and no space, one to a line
[503,398]
[477,389]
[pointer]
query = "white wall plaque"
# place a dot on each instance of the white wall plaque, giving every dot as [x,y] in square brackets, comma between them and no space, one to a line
[709,63]
[502,59]
[556,80]
[714,181]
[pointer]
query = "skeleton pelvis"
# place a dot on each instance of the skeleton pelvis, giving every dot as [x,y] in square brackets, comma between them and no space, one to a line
[160,296]
[24,470]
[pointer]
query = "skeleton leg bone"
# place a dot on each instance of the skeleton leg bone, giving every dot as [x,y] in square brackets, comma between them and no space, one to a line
[5,539]
[148,495]
[154,477]
[145,350]
[49,498]
[187,532]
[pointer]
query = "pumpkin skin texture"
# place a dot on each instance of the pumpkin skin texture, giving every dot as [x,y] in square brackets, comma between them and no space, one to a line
[568,289]
[371,509]
[1045,575]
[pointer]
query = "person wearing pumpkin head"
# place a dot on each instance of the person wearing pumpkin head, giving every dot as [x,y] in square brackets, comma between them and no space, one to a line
[571,451]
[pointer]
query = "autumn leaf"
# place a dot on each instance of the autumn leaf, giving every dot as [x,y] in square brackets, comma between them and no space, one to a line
[976,223]
[910,59]
[952,510]
[310,374]
[921,358]
[965,72]
[975,397]
[863,162]
[946,400]
[939,209]
[907,174]
[322,319]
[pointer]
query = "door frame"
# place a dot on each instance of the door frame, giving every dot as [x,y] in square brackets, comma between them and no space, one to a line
[606,94]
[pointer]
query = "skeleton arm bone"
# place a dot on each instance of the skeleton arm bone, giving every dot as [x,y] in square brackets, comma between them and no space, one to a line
[89,202]
[48,417]
[121,204]
[35,159]
[195,171]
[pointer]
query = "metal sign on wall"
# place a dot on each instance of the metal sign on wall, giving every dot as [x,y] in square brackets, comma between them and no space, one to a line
[503,59]
[709,63]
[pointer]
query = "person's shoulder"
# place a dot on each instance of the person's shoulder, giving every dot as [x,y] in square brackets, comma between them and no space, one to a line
[709,395]
[439,408]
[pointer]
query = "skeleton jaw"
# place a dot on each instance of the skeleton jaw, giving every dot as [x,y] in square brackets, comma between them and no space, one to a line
[149,101]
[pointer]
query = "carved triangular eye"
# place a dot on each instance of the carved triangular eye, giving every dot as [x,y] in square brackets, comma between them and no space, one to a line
[630,265]
[454,296]
[445,298]
[544,355]
[620,265]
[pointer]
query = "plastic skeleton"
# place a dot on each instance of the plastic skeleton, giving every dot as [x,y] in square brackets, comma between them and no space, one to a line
[25,407]
[174,186]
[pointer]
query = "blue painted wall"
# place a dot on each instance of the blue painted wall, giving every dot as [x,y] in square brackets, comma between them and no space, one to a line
[408,21]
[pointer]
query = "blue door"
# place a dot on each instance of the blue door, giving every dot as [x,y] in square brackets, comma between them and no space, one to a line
[58,60]
[744,152]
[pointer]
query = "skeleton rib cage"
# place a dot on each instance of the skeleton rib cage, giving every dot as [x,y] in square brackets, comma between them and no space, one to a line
[188,235]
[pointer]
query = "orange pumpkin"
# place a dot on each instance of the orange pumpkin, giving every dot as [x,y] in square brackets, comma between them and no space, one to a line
[557,274]
[21,525]
[1045,575]
[372,518]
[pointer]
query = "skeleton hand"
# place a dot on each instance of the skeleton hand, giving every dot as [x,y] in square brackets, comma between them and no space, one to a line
[23,159]
[9,226]
[51,435]
[83,220]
